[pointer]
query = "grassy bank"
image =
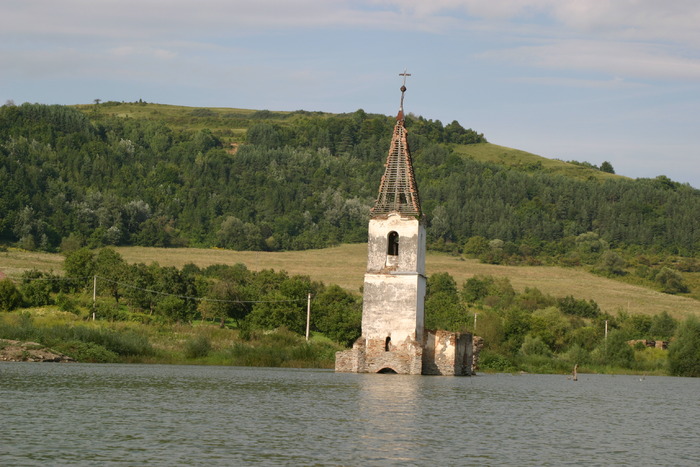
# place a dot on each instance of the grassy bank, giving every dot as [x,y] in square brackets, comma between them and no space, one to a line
[131,342]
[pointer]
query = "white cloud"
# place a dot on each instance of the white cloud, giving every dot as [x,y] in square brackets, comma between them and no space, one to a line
[619,59]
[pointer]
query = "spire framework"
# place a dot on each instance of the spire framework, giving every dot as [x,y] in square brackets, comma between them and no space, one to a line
[398,191]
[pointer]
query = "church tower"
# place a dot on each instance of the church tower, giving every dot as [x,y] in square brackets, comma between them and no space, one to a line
[394,286]
[394,339]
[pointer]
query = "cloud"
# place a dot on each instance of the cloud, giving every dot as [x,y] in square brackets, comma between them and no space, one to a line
[619,59]
[614,83]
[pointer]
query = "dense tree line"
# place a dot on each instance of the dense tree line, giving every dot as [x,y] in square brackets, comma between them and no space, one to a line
[299,183]
[533,331]
[230,295]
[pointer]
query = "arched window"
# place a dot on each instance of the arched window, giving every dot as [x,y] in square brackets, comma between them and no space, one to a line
[393,244]
[387,344]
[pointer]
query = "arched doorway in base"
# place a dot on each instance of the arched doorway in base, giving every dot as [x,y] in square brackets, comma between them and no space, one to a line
[387,371]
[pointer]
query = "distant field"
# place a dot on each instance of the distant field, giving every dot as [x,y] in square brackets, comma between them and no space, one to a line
[345,265]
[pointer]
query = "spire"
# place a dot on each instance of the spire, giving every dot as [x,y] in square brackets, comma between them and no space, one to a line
[403,91]
[398,191]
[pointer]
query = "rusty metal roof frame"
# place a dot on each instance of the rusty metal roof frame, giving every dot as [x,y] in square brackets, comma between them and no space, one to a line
[398,190]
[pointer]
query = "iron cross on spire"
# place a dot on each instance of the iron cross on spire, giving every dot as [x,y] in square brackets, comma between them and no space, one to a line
[403,90]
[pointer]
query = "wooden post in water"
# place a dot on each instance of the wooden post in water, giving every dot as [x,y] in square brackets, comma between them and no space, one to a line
[308,315]
[576,372]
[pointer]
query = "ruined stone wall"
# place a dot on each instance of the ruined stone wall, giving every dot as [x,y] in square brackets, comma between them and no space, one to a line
[371,356]
[447,353]
[477,345]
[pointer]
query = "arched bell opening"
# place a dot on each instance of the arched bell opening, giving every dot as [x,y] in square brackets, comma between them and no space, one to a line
[392,244]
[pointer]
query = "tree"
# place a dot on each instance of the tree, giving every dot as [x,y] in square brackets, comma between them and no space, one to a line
[227,299]
[79,266]
[10,297]
[337,314]
[36,288]
[611,264]
[671,281]
[615,351]
[684,351]
[111,269]
[607,167]
[662,326]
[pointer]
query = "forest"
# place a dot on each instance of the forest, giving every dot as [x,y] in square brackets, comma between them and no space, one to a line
[300,180]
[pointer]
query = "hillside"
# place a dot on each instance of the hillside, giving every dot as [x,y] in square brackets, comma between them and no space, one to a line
[167,176]
[230,125]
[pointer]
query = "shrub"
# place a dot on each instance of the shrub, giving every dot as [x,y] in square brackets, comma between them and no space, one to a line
[671,281]
[197,347]
[493,361]
[535,346]
[571,306]
[35,288]
[10,297]
[87,352]
[615,351]
[67,303]
[576,355]
[684,351]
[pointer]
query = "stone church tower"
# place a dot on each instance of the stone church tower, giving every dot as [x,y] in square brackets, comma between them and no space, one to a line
[394,339]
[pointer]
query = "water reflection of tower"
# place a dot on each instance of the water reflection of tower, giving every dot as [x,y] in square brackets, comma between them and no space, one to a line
[389,413]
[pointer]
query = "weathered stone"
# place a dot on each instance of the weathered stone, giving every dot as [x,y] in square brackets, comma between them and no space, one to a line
[17,351]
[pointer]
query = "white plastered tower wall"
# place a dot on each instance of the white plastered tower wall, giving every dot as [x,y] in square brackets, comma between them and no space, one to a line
[394,286]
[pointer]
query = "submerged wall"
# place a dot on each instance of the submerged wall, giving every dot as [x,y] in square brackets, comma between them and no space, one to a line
[441,353]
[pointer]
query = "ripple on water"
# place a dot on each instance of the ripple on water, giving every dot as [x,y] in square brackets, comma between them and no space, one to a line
[177,415]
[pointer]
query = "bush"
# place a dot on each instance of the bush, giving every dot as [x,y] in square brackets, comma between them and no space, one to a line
[493,361]
[576,355]
[671,281]
[615,351]
[10,297]
[87,352]
[67,303]
[198,347]
[35,288]
[684,351]
[585,309]
[535,346]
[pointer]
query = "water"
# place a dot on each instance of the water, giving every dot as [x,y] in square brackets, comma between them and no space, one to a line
[83,414]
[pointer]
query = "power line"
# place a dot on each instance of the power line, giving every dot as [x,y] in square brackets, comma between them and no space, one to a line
[200,299]
[157,292]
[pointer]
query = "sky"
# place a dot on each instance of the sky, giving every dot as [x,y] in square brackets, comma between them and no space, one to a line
[584,80]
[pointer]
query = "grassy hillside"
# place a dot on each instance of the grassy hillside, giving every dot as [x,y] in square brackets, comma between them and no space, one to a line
[231,124]
[509,157]
[344,265]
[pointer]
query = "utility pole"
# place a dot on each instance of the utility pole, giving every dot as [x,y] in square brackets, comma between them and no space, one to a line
[308,315]
[94,296]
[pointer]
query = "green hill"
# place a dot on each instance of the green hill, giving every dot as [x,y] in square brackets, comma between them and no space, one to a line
[158,175]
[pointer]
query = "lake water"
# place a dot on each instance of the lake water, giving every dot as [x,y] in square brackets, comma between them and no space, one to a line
[84,414]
